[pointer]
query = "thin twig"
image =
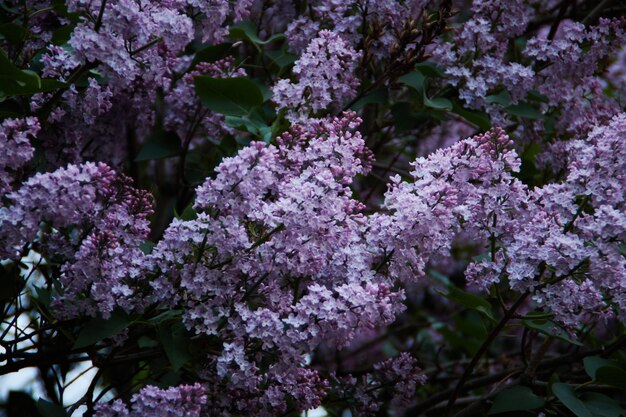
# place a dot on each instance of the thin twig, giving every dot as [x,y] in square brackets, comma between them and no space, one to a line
[483,348]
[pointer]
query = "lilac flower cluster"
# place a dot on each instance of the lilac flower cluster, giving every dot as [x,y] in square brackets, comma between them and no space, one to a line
[397,378]
[476,61]
[453,186]
[117,41]
[275,265]
[348,18]
[559,241]
[94,227]
[573,68]
[325,73]
[286,250]
[183,400]
[479,62]
[563,245]
[128,51]
[15,135]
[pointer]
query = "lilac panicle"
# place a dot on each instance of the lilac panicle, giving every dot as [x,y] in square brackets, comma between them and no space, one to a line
[277,225]
[325,74]
[91,220]
[183,401]
[15,136]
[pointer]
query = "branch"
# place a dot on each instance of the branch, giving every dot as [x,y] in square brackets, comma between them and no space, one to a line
[98,23]
[545,365]
[593,15]
[483,348]
[40,359]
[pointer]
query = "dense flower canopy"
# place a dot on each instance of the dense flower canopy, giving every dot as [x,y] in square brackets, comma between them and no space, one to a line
[364,208]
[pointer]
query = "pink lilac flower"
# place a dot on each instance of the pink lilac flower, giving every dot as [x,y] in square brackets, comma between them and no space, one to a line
[456,185]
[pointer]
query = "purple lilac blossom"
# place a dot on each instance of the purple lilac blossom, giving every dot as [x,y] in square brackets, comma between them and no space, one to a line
[274,216]
[91,219]
[15,135]
[180,401]
[325,74]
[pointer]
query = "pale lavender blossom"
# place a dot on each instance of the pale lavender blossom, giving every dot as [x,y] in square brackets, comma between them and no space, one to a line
[277,225]
[325,78]
[93,221]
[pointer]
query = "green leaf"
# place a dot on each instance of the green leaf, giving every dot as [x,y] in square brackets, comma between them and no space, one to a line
[166,316]
[48,85]
[438,276]
[253,123]
[602,406]
[188,213]
[211,53]
[403,116]
[146,342]
[479,119]
[469,300]
[279,125]
[248,32]
[517,398]
[266,92]
[11,283]
[613,376]
[414,80]
[98,329]
[36,85]
[19,403]
[15,82]
[405,119]
[146,247]
[548,327]
[472,325]
[593,363]
[160,144]
[566,395]
[13,32]
[457,341]
[62,35]
[524,110]
[281,58]
[390,350]
[176,344]
[43,296]
[377,97]
[50,409]
[229,96]
[417,81]
[537,96]
[438,103]
[503,98]
[430,70]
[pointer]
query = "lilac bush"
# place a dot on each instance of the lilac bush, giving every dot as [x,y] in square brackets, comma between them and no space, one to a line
[353,208]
